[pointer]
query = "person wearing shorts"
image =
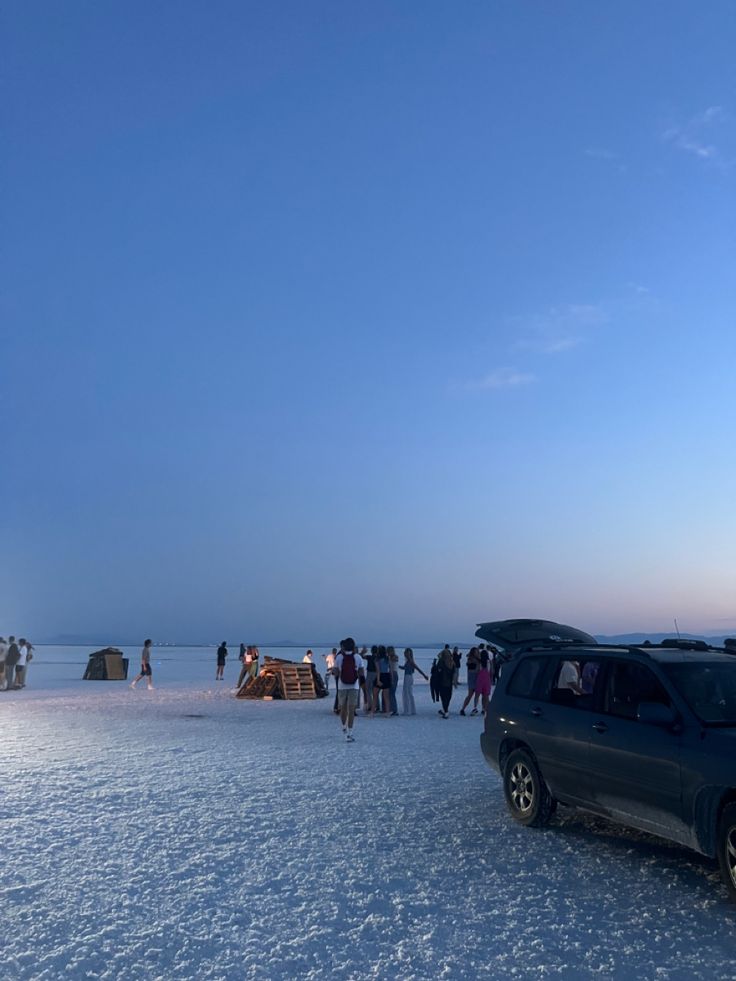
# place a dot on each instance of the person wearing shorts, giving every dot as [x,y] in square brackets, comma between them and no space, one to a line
[348,670]
[145,671]
[221,658]
[473,663]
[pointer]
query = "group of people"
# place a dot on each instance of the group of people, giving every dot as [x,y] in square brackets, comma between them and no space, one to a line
[248,658]
[483,665]
[379,682]
[15,656]
[373,678]
[376,673]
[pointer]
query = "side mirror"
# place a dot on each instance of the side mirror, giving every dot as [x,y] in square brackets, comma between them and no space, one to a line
[656,714]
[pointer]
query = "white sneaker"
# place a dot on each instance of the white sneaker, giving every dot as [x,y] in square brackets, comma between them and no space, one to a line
[132,684]
[350,737]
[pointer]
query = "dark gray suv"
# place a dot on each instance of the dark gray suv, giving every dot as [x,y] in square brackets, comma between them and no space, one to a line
[643,735]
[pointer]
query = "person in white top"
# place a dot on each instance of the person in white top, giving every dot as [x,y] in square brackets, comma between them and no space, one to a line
[329,665]
[246,659]
[308,658]
[569,677]
[22,666]
[349,669]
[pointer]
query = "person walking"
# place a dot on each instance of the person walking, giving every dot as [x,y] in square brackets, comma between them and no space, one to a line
[221,658]
[347,671]
[407,689]
[473,663]
[445,675]
[145,671]
[11,659]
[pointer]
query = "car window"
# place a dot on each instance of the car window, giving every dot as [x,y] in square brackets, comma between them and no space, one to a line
[573,682]
[627,685]
[525,677]
[709,688]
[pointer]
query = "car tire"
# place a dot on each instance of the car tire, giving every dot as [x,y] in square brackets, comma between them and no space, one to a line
[726,844]
[527,796]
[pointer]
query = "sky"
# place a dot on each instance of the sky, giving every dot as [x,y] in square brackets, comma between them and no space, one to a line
[382,319]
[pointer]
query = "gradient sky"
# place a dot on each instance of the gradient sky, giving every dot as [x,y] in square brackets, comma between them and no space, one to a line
[381,318]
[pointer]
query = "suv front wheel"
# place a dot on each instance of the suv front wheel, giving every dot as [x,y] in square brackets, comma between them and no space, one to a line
[727,848]
[526,793]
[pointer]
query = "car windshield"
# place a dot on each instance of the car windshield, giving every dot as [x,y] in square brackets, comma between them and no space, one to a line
[709,688]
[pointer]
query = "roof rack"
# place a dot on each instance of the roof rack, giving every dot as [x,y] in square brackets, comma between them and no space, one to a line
[686,645]
[547,644]
[645,649]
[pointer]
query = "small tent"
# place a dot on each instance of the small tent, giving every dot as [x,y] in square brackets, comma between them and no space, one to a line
[107,665]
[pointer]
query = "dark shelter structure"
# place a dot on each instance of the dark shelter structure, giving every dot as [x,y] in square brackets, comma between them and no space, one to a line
[107,665]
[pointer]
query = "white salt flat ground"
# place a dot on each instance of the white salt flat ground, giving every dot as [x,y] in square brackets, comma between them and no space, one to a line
[179,834]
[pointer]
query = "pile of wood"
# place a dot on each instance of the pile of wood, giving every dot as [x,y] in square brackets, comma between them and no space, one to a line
[284,679]
[106,665]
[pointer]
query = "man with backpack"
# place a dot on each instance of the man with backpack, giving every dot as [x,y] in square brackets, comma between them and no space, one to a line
[349,669]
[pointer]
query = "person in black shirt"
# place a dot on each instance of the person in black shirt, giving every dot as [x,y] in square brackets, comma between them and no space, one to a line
[221,658]
[445,674]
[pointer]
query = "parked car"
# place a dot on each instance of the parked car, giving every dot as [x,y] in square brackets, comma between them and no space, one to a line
[644,735]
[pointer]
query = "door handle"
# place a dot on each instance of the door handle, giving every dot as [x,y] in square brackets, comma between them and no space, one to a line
[536,711]
[600,727]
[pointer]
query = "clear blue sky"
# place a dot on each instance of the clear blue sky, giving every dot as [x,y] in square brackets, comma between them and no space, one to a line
[383,318]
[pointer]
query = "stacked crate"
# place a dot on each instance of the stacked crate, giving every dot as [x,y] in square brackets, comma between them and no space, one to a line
[284,679]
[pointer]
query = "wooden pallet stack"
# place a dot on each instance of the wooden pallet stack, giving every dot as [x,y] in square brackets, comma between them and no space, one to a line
[284,679]
[266,685]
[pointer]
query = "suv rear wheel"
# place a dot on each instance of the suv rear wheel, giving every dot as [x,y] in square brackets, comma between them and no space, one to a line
[727,848]
[527,796]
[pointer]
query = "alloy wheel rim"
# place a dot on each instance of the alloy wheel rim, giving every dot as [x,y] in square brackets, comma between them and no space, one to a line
[731,853]
[521,792]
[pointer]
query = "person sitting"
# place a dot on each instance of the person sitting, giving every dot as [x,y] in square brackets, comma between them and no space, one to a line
[569,677]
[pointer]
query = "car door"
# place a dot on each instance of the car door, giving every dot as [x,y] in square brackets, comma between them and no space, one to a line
[564,716]
[635,773]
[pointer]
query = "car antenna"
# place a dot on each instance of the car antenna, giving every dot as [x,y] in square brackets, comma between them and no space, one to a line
[677,628]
